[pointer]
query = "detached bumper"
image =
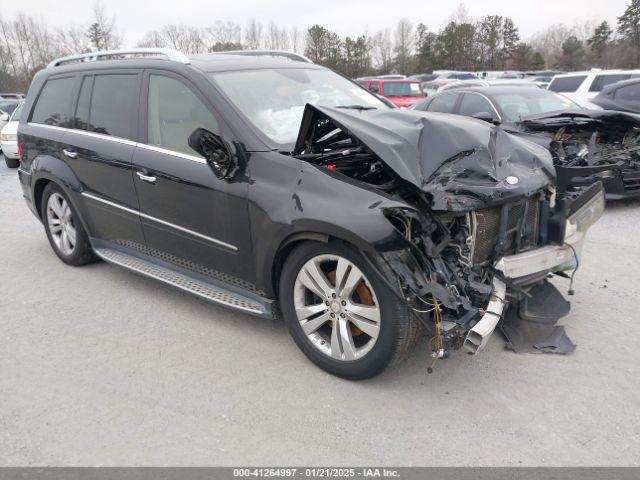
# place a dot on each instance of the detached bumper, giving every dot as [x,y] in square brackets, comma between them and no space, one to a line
[532,266]
[555,258]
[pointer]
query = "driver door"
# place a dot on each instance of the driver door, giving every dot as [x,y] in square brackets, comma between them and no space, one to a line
[189,216]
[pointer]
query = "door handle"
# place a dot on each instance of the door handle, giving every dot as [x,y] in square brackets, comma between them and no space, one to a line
[146,178]
[69,153]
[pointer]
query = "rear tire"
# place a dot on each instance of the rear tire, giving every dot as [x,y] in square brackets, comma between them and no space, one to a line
[374,325]
[11,162]
[64,229]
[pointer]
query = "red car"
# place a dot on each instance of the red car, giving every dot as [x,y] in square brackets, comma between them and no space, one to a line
[403,93]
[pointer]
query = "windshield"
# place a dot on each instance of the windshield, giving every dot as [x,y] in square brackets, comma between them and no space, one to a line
[516,106]
[274,100]
[8,107]
[401,89]
[16,113]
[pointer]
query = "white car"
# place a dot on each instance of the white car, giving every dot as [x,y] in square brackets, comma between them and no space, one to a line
[582,87]
[9,139]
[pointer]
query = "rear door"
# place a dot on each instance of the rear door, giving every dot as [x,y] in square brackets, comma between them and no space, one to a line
[99,147]
[189,216]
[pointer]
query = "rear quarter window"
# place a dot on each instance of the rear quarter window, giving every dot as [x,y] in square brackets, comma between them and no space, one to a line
[54,102]
[629,92]
[602,81]
[443,103]
[567,84]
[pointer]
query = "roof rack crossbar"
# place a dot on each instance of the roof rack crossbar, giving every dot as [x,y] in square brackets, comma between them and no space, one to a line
[173,55]
[268,53]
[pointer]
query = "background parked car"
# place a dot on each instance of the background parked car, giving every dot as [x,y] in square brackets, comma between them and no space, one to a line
[9,139]
[6,109]
[586,145]
[622,96]
[582,87]
[403,93]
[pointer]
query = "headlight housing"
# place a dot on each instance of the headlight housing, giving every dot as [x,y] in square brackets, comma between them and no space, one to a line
[582,219]
[8,137]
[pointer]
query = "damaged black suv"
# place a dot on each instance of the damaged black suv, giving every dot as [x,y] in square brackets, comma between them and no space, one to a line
[274,186]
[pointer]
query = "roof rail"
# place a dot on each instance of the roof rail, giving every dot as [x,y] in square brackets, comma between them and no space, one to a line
[173,55]
[296,57]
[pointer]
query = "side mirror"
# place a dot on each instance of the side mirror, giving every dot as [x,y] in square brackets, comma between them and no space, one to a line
[214,150]
[486,117]
[4,117]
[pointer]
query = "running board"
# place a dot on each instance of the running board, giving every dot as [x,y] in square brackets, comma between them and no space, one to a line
[212,293]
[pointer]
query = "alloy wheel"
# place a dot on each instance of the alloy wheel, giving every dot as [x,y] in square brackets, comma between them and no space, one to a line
[337,307]
[61,224]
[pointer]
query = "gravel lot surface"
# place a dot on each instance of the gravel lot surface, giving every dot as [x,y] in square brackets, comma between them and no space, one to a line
[99,366]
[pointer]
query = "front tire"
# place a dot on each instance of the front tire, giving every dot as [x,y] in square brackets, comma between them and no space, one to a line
[64,229]
[341,313]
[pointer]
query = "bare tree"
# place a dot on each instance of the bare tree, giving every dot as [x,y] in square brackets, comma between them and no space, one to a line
[152,39]
[277,38]
[184,38]
[102,33]
[296,40]
[224,33]
[549,42]
[253,35]
[404,44]
[383,50]
[460,15]
[72,40]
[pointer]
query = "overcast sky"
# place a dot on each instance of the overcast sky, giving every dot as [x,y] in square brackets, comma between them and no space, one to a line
[347,17]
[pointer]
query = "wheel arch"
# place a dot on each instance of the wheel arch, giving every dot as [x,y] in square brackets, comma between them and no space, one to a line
[285,249]
[46,169]
[289,243]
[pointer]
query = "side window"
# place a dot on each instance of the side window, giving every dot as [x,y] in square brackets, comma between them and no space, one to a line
[174,113]
[630,92]
[443,103]
[473,104]
[374,87]
[114,105]
[566,84]
[54,102]
[602,81]
[422,106]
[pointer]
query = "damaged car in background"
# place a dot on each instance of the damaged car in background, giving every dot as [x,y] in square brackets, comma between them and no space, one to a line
[586,145]
[281,189]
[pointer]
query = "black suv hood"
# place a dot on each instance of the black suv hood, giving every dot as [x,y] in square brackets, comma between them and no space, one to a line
[447,156]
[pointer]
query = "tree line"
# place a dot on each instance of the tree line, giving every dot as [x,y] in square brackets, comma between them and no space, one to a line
[491,43]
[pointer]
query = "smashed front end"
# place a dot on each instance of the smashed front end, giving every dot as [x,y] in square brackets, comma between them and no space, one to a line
[483,226]
[589,146]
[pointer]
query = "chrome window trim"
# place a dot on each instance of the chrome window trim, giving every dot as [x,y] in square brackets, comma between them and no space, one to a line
[44,125]
[124,141]
[162,222]
[103,136]
[186,156]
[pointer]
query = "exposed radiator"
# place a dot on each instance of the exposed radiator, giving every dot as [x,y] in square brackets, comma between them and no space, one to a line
[485,228]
